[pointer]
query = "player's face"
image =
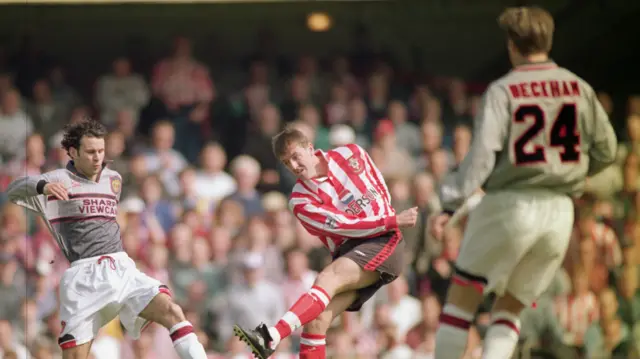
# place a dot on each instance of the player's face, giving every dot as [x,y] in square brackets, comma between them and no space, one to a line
[89,157]
[300,160]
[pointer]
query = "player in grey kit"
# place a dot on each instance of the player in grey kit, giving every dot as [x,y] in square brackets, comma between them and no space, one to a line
[79,205]
[538,135]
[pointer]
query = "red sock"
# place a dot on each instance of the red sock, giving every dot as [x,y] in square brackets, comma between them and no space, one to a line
[312,346]
[306,309]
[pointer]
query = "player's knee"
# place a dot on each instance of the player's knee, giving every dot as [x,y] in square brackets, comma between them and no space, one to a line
[508,303]
[339,276]
[175,313]
[328,280]
[320,325]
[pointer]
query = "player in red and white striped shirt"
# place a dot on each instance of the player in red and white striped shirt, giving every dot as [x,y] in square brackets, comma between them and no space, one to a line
[341,197]
[577,310]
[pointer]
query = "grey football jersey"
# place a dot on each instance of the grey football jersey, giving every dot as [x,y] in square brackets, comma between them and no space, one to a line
[85,225]
[540,126]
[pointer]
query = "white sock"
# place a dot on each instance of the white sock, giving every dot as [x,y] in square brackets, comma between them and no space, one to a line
[452,334]
[275,337]
[186,342]
[502,336]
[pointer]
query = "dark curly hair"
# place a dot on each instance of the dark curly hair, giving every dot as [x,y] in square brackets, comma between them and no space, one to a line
[73,133]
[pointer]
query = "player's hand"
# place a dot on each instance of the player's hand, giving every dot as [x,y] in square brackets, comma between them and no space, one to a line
[437,224]
[408,217]
[57,190]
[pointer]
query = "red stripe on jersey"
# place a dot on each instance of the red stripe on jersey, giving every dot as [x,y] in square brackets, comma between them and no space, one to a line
[353,202]
[362,182]
[379,182]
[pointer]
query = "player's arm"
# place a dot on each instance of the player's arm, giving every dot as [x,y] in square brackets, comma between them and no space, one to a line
[28,186]
[604,147]
[320,219]
[490,131]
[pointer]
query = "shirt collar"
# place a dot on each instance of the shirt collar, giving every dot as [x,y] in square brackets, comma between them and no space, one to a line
[535,66]
[72,168]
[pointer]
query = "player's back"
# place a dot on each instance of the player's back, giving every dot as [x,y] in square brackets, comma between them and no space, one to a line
[553,116]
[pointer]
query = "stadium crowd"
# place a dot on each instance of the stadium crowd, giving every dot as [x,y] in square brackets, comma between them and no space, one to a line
[204,208]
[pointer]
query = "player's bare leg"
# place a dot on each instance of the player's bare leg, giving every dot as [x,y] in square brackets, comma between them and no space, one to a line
[165,312]
[81,351]
[313,339]
[342,275]
[463,300]
[502,337]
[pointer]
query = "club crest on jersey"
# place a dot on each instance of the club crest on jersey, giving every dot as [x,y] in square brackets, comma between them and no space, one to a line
[116,185]
[356,164]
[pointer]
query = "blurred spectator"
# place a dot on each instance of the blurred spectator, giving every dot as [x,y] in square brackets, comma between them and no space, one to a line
[377,97]
[10,344]
[246,172]
[392,160]
[341,135]
[161,158]
[628,296]
[605,238]
[181,81]
[358,120]
[253,301]
[609,336]
[309,115]
[405,309]
[299,95]
[121,90]
[337,108]
[258,145]
[47,114]
[461,143]
[13,117]
[577,310]
[407,133]
[62,92]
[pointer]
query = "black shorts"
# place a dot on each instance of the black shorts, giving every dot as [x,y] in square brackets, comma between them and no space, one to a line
[384,254]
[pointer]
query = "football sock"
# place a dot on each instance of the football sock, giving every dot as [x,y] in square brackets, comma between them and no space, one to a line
[452,333]
[308,307]
[502,336]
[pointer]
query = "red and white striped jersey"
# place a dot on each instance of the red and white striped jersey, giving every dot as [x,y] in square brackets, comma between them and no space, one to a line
[607,243]
[352,201]
[575,314]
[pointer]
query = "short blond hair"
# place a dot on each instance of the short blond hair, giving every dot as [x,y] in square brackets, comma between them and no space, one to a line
[530,29]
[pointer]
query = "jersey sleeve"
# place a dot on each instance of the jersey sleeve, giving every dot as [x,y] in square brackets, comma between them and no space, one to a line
[490,131]
[320,219]
[603,150]
[24,191]
[29,186]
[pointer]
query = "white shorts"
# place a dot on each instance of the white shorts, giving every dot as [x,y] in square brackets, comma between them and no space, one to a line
[515,241]
[95,290]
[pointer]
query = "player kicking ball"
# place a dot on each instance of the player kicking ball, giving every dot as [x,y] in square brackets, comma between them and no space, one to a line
[79,205]
[341,198]
[539,133]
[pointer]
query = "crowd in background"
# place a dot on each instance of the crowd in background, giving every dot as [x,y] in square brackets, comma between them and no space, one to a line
[204,206]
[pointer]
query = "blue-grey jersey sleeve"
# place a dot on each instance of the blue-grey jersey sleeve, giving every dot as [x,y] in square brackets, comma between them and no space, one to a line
[490,132]
[25,187]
